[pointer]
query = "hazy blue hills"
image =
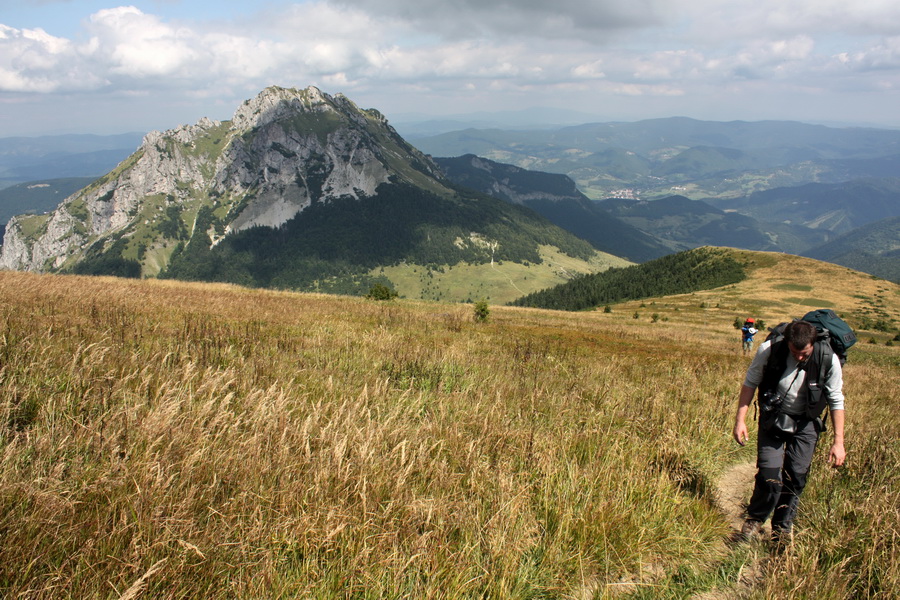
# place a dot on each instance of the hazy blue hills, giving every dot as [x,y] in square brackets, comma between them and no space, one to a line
[635,229]
[412,126]
[836,207]
[686,223]
[872,248]
[787,136]
[781,186]
[858,168]
[659,157]
[25,159]
[793,139]
[706,161]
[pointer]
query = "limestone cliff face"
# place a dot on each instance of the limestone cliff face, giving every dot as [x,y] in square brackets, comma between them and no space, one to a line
[281,151]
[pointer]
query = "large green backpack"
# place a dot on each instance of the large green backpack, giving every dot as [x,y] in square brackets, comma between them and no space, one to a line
[839,334]
[830,327]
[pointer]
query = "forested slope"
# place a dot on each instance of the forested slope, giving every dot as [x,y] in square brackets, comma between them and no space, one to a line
[698,269]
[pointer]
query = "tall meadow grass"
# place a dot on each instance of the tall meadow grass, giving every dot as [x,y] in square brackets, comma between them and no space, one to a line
[172,440]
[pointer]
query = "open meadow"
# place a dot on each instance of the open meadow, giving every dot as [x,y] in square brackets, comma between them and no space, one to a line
[170,440]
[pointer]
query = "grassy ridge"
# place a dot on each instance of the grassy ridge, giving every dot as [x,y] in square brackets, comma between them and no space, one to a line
[209,441]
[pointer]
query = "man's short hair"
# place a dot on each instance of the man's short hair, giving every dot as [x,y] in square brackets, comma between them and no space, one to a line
[800,334]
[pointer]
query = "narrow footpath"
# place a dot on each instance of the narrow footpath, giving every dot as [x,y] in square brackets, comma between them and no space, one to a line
[732,492]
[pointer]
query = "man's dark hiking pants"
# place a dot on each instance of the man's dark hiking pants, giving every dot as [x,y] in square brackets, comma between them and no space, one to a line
[782,469]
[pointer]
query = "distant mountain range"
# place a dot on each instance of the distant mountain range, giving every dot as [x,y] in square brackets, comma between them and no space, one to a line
[634,190]
[764,186]
[556,198]
[838,208]
[686,223]
[698,159]
[873,248]
[643,230]
[24,159]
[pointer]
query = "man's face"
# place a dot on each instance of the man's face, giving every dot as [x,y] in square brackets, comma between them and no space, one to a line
[801,354]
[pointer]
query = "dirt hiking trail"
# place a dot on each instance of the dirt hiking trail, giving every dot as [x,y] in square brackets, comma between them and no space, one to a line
[732,491]
[731,494]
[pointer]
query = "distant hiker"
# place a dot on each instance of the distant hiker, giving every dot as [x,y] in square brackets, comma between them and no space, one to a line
[747,333]
[797,377]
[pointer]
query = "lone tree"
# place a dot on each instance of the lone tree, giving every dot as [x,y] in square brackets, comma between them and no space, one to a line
[379,291]
[482,312]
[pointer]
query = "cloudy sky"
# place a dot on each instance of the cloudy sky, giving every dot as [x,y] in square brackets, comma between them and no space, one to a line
[88,66]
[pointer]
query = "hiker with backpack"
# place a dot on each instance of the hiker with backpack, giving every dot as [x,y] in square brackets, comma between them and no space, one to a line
[747,333]
[797,373]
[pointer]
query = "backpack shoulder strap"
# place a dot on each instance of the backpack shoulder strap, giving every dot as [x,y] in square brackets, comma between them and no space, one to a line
[775,364]
[817,369]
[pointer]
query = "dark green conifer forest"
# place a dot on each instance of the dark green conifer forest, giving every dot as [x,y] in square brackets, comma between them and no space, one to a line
[331,247]
[681,273]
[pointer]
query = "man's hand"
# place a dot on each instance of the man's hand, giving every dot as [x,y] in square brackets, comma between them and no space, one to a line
[837,455]
[740,419]
[740,432]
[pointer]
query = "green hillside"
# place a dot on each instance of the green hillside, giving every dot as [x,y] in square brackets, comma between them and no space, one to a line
[684,272]
[556,198]
[703,161]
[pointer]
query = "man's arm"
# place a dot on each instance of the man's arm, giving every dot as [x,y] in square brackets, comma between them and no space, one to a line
[748,389]
[740,423]
[837,454]
[834,389]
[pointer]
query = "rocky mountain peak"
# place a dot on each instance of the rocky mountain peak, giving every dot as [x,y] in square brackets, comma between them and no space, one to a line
[274,103]
[282,151]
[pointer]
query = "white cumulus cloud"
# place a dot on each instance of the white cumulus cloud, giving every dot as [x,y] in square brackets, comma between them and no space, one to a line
[413,55]
[31,60]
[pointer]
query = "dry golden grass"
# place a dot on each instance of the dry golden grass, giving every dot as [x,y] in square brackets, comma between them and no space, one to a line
[171,440]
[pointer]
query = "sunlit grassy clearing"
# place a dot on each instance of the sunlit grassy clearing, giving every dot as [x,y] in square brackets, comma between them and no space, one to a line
[499,282]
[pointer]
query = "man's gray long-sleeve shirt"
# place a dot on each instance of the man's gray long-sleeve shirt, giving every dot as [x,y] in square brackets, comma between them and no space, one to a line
[792,384]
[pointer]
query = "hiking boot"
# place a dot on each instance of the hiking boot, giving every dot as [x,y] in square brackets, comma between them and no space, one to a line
[751,529]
